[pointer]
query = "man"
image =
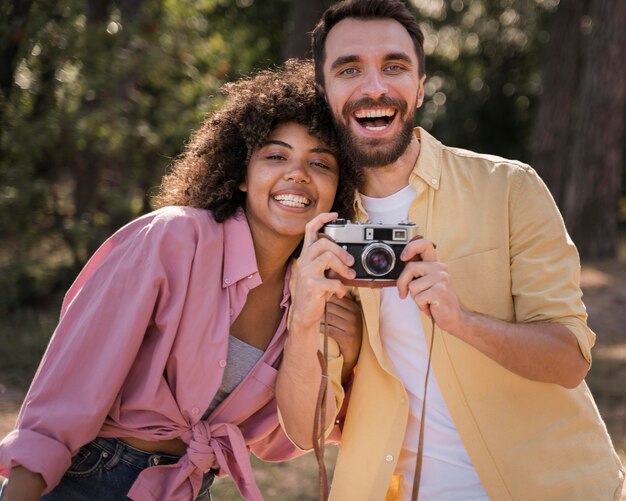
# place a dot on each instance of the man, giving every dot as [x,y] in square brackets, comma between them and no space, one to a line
[508,415]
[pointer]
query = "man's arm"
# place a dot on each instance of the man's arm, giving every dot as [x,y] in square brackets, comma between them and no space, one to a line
[540,351]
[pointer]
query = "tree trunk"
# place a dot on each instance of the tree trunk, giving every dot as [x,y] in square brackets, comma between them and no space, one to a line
[302,19]
[562,67]
[591,203]
[579,138]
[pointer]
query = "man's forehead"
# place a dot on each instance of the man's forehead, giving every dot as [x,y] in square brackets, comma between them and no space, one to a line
[361,38]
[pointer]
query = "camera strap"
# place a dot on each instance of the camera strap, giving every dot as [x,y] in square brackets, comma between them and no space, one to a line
[420,445]
[320,413]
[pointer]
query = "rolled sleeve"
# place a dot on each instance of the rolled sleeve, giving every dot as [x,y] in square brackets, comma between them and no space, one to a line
[545,266]
[125,290]
[26,448]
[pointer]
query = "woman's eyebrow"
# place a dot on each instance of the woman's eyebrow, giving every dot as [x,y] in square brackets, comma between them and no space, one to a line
[321,149]
[279,143]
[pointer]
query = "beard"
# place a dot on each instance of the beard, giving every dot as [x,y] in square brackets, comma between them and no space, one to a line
[374,152]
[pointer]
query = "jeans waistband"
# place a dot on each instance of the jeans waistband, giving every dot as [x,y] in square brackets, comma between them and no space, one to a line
[118,450]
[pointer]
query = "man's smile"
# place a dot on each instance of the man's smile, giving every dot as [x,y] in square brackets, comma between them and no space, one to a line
[375,119]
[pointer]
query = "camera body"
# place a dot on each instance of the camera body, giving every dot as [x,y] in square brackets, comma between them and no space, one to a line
[376,248]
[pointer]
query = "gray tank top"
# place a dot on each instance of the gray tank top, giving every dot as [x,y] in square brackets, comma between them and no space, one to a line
[242,357]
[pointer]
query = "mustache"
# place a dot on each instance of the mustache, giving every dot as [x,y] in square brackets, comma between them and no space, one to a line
[368,102]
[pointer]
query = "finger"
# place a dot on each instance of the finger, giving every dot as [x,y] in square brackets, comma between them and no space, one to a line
[346,303]
[326,245]
[421,248]
[313,227]
[424,273]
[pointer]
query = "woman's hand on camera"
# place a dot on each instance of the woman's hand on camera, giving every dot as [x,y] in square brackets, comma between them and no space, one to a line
[313,287]
[346,328]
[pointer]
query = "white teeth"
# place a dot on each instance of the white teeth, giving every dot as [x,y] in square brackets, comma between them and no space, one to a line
[383,127]
[292,200]
[375,113]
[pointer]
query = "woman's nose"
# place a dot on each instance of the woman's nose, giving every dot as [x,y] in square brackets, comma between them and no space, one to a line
[298,173]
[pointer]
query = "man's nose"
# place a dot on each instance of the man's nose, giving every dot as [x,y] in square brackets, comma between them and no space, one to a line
[374,85]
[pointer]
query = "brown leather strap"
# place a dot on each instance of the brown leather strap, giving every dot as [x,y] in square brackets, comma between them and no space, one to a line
[420,445]
[320,414]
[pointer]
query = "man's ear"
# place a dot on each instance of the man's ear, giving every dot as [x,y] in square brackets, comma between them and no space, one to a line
[420,92]
[321,90]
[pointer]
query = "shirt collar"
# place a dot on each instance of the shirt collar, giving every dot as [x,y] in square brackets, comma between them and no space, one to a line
[239,256]
[428,165]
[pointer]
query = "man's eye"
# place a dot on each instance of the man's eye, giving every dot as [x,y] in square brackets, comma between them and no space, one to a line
[394,68]
[348,71]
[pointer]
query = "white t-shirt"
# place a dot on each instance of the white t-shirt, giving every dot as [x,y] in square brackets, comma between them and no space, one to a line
[447,472]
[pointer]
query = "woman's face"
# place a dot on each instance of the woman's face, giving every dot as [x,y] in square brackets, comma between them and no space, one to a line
[289,180]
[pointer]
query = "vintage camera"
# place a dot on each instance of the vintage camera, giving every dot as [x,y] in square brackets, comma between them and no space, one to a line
[376,248]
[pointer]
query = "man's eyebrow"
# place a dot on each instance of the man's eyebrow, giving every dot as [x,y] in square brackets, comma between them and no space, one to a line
[340,61]
[398,56]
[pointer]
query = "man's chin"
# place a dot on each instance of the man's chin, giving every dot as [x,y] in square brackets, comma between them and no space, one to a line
[375,152]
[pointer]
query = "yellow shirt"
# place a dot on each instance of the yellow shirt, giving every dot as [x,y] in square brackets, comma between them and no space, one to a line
[508,253]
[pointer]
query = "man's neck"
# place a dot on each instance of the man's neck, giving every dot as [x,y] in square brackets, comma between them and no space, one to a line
[381,182]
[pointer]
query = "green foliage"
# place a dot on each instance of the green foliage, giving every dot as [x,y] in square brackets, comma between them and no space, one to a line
[102,99]
[483,63]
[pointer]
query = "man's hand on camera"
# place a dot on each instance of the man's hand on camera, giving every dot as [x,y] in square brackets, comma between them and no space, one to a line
[427,281]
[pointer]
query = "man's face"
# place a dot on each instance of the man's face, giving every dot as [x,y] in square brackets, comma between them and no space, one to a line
[373,87]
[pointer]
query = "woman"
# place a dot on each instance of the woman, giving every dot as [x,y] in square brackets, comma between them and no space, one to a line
[161,371]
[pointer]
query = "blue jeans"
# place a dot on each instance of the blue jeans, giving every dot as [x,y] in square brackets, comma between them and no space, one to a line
[106,468]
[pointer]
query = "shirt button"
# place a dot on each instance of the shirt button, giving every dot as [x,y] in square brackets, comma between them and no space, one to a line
[433,181]
[231,311]
[105,455]
[227,281]
[402,400]
[222,363]
[195,411]
[389,458]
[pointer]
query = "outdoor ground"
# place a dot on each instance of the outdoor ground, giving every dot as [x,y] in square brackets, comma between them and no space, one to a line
[604,286]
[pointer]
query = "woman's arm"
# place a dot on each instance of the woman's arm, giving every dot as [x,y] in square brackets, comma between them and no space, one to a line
[300,372]
[24,485]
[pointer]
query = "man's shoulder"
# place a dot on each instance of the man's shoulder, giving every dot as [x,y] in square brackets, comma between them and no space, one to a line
[486,159]
[437,152]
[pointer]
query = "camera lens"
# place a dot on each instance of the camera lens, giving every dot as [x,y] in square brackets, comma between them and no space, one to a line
[378,259]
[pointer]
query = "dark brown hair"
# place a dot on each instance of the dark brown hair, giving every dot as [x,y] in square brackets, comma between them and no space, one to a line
[364,9]
[208,173]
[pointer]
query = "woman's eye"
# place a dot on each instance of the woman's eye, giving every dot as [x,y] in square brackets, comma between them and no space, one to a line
[275,157]
[323,165]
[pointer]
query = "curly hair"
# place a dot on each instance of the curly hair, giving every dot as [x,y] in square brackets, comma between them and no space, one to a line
[213,164]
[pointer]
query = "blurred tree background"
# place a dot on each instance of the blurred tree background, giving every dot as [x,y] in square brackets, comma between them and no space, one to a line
[97,97]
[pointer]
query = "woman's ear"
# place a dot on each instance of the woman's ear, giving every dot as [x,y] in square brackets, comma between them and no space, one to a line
[243,186]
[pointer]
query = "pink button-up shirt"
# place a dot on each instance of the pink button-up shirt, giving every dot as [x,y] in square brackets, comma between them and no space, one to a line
[140,351]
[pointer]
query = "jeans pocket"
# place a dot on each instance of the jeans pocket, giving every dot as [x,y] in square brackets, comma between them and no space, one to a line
[86,461]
